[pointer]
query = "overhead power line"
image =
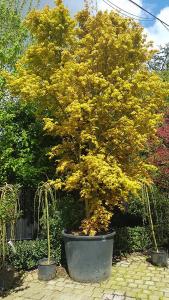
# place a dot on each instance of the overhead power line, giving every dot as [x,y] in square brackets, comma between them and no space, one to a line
[124,12]
[145,10]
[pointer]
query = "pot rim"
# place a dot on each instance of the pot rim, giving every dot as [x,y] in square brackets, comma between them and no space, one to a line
[160,251]
[88,237]
[52,262]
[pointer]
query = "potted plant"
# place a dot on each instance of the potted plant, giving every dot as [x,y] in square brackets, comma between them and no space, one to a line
[47,266]
[90,78]
[159,257]
[9,213]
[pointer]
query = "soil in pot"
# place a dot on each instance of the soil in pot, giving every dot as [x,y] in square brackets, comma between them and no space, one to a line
[89,258]
[159,258]
[46,271]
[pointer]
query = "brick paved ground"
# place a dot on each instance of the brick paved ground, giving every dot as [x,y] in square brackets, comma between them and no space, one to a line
[132,278]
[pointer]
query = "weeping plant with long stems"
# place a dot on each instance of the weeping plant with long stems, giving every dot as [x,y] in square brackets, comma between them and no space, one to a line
[9,213]
[44,197]
[146,192]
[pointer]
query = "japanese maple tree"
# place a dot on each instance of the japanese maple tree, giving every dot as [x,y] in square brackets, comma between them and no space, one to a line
[91,74]
[160,156]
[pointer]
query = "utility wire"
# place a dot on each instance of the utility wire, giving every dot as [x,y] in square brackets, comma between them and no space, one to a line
[119,10]
[128,13]
[145,10]
[112,5]
[166,27]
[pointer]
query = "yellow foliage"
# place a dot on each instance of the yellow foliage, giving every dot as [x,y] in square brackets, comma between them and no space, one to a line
[91,75]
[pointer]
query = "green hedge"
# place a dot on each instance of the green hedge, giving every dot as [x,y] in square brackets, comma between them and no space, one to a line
[127,240]
[28,254]
[132,239]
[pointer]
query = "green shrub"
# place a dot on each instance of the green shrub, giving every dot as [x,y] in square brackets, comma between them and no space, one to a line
[132,239]
[71,210]
[64,213]
[136,214]
[160,214]
[132,225]
[28,254]
[136,207]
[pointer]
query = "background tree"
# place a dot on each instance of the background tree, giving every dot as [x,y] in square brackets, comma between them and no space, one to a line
[22,145]
[13,34]
[160,61]
[159,154]
[105,104]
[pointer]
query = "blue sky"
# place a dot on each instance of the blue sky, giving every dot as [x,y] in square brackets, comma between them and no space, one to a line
[154,29]
[155,5]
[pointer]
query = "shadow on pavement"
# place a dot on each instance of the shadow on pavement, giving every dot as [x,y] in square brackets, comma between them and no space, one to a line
[10,280]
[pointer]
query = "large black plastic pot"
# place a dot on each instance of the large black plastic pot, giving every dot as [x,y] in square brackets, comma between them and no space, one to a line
[159,258]
[46,271]
[89,258]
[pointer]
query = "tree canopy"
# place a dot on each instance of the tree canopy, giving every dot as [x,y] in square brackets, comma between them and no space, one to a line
[23,147]
[160,61]
[13,34]
[91,74]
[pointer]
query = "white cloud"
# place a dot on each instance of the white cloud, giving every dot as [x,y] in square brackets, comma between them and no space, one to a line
[122,4]
[158,33]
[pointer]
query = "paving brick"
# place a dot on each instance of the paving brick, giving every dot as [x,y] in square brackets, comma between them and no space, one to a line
[166,294]
[132,278]
[97,294]
[143,296]
[132,285]
[118,297]
[60,283]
